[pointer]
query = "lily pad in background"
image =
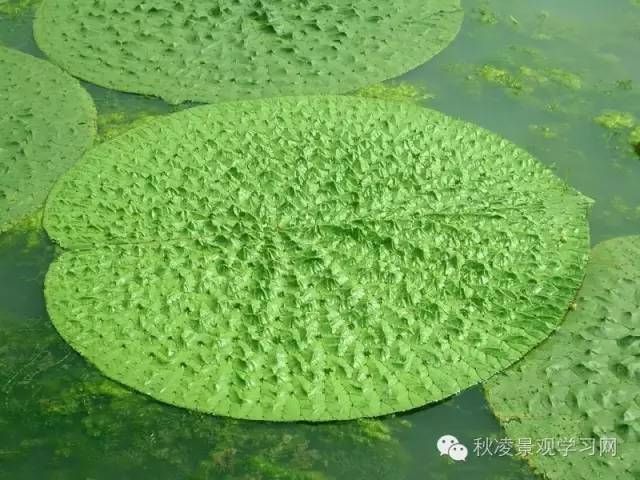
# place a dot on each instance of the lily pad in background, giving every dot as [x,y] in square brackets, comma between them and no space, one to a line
[582,383]
[310,258]
[47,121]
[211,51]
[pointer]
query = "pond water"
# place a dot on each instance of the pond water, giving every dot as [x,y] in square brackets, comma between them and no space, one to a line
[550,76]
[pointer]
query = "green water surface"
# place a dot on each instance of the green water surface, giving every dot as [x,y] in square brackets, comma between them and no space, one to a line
[539,72]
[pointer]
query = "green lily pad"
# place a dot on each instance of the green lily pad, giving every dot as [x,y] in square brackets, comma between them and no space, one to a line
[581,385]
[46,122]
[212,51]
[310,258]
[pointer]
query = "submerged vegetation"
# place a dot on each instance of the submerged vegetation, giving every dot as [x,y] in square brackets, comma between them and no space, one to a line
[525,79]
[30,227]
[634,140]
[548,131]
[622,122]
[399,92]
[114,124]
[483,14]
[616,120]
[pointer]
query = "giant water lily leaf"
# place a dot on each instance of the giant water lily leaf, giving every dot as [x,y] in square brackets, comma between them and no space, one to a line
[580,387]
[310,258]
[208,51]
[46,122]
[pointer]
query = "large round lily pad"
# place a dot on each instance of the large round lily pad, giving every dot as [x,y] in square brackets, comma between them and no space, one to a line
[310,258]
[208,51]
[580,387]
[46,122]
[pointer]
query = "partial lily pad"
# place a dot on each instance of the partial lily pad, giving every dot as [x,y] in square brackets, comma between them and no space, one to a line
[580,387]
[47,121]
[210,51]
[310,258]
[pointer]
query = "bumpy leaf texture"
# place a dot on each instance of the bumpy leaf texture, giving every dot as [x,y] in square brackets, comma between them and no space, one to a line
[215,50]
[310,258]
[46,122]
[582,383]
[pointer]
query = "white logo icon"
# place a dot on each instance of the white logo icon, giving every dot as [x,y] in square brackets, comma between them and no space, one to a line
[449,445]
[445,443]
[458,452]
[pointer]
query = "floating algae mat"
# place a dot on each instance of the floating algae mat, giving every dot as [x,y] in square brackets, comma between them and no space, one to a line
[310,258]
[209,51]
[582,382]
[46,122]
